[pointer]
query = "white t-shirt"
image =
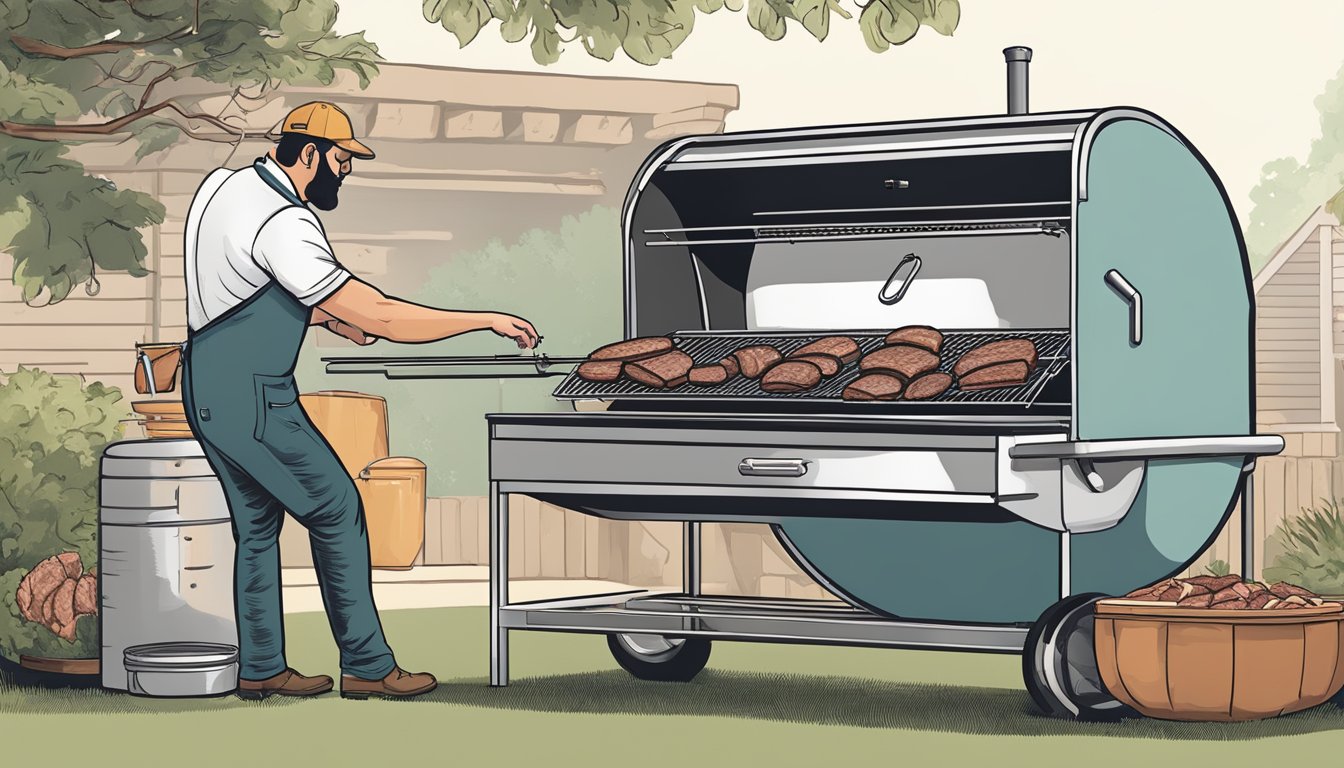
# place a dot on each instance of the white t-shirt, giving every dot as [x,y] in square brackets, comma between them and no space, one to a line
[241,235]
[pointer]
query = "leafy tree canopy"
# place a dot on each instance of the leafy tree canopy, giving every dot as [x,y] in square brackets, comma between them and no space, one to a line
[78,70]
[648,31]
[1291,189]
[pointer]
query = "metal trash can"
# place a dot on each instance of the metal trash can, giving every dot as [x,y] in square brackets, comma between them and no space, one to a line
[181,669]
[166,557]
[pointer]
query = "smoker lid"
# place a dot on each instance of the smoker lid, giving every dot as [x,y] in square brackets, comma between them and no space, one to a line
[977,133]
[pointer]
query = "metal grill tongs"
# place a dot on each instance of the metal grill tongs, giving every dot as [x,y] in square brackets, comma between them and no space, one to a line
[522,366]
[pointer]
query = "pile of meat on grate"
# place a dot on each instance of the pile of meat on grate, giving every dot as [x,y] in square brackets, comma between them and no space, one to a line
[906,367]
[1227,593]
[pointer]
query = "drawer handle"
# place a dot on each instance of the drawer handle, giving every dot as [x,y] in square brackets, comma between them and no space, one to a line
[773,467]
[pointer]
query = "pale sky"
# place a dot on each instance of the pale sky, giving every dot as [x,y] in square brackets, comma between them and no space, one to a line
[1237,77]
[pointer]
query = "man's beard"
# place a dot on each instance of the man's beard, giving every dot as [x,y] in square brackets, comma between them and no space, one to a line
[325,187]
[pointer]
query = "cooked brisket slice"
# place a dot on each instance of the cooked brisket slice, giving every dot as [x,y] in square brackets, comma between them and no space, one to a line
[666,371]
[708,375]
[633,349]
[996,376]
[874,386]
[905,360]
[753,361]
[1003,351]
[730,365]
[927,386]
[791,376]
[829,364]
[600,370]
[843,348]
[925,336]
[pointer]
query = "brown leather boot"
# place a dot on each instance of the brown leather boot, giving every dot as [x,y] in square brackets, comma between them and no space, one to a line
[287,683]
[399,684]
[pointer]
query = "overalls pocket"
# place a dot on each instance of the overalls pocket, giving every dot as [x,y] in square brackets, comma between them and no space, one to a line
[273,392]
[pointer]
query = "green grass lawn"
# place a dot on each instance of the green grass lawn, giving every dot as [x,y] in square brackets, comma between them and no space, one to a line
[570,704]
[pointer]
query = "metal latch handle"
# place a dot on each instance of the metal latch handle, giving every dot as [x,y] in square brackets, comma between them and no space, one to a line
[1131,296]
[772,467]
[885,296]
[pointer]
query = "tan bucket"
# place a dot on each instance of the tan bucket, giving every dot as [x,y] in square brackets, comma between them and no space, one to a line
[393,491]
[354,423]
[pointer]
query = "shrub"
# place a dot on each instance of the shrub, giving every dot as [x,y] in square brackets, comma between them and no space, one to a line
[1309,550]
[52,433]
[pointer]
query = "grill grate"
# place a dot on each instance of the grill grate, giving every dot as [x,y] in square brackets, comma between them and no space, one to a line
[869,229]
[704,347]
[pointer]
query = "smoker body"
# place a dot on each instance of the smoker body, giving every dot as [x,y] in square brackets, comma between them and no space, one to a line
[1021,223]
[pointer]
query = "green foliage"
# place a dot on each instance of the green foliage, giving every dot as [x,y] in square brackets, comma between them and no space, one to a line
[76,223]
[1218,568]
[649,31]
[52,432]
[1290,189]
[566,281]
[1309,550]
[1335,206]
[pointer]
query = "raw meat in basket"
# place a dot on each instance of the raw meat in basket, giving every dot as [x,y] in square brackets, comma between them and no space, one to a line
[909,366]
[1227,593]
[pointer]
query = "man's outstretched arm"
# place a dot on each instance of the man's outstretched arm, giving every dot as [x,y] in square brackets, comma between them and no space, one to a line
[367,309]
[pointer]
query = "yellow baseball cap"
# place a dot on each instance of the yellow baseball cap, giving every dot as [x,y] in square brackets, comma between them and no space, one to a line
[325,120]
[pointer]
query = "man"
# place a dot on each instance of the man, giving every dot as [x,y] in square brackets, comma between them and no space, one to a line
[259,271]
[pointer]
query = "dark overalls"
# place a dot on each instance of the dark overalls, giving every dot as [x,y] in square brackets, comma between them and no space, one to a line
[243,407]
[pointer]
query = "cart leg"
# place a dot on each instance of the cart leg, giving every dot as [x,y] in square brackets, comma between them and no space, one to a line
[499,585]
[690,551]
[1248,525]
[1065,565]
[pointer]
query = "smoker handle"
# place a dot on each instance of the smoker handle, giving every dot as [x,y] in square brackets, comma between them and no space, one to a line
[1158,448]
[772,467]
[1131,296]
[884,295]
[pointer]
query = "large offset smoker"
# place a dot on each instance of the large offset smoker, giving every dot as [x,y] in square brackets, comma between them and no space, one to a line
[979,521]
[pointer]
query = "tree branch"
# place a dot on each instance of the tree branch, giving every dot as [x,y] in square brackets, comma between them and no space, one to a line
[39,48]
[109,127]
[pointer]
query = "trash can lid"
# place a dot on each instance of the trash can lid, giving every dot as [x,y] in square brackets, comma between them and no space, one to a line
[155,449]
[179,655]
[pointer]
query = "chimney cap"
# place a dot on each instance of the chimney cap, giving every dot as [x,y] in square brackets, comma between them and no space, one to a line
[1017,53]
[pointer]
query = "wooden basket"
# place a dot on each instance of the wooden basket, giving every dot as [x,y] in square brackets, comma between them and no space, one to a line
[1206,664]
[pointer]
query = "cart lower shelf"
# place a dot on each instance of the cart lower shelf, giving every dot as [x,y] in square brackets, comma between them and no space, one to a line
[821,622]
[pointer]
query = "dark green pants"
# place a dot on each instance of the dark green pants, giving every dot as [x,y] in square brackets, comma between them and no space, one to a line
[270,458]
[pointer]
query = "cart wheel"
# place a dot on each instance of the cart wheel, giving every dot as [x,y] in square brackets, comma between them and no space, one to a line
[654,657]
[1059,664]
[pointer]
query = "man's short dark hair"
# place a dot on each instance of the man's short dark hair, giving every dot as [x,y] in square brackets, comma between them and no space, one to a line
[291,144]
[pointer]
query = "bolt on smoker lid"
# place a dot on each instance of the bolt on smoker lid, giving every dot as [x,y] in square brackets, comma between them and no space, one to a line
[179,656]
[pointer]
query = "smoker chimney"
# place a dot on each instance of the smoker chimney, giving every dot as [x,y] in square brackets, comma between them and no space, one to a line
[1019,59]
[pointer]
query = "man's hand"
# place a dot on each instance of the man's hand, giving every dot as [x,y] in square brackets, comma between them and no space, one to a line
[515,328]
[350,332]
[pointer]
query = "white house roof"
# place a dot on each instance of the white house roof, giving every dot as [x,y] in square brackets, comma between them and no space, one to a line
[1320,218]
